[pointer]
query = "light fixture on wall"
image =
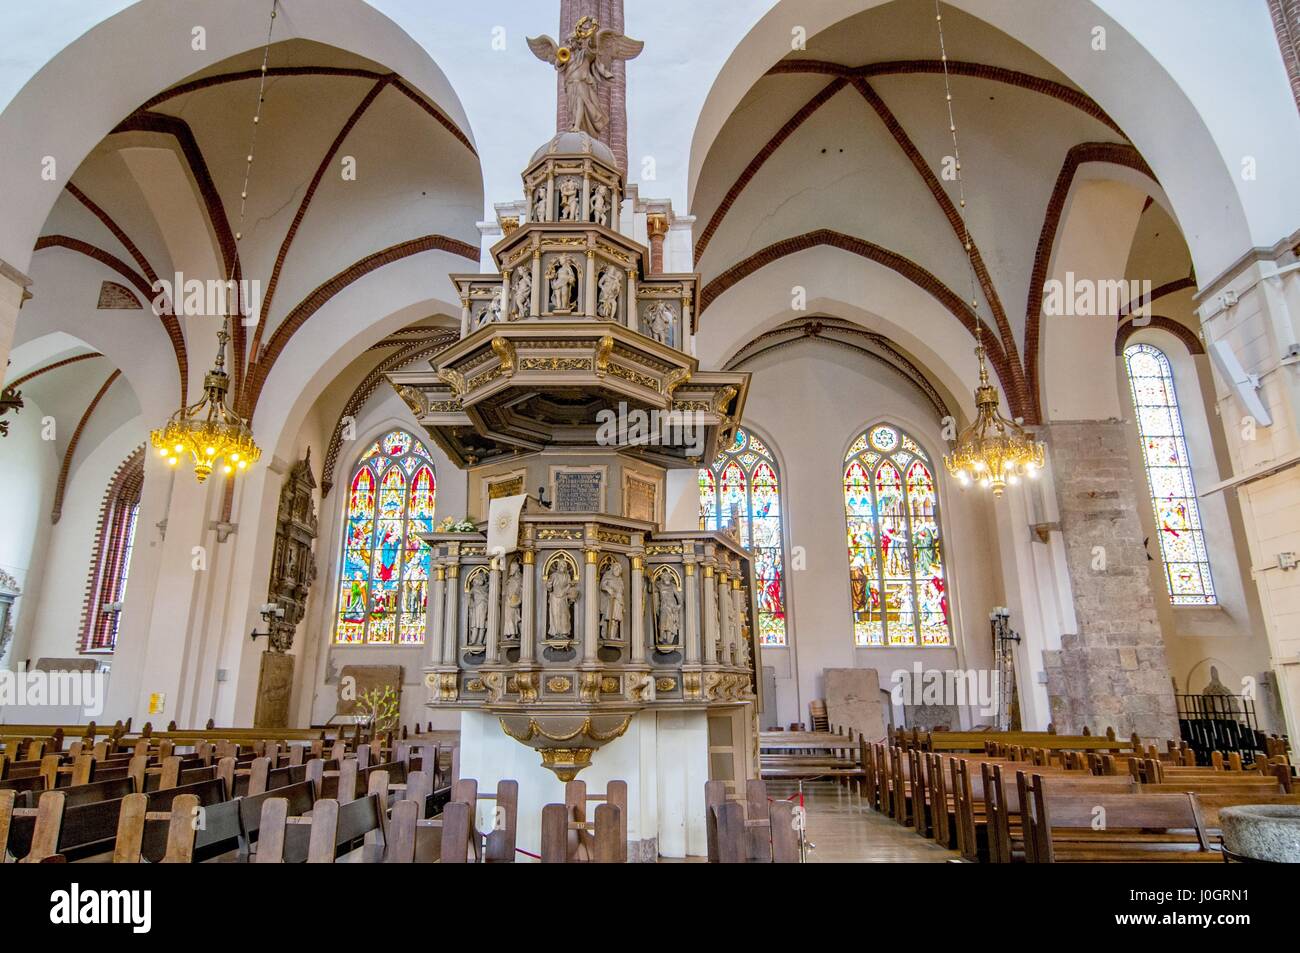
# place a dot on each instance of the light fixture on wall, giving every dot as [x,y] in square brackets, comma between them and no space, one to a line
[993,451]
[209,432]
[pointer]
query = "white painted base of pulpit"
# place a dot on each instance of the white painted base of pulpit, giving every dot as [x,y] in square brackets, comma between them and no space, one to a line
[663,757]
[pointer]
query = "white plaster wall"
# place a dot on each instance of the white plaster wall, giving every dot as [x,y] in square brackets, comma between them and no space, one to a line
[58,585]
[29,467]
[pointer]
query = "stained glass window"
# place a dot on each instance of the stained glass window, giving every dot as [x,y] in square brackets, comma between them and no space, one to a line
[383,584]
[111,561]
[896,570]
[743,487]
[1169,477]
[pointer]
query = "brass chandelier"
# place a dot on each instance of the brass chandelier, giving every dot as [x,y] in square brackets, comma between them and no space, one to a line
[993,451]
[209,432]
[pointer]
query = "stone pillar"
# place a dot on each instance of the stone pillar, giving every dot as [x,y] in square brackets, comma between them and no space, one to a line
[433,625]
[1112,672]
[724,617]
[691,602]
[590,608]
[537,282]
[494,610]
[527,633]
[451,619]
[505,294]
[13,291]
[637,604]
[657,227]
[464,315]
[589,291]
[710,616]
[633,318]
[737,609]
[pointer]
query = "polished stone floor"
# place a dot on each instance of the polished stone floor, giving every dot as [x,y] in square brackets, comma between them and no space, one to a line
[842,829]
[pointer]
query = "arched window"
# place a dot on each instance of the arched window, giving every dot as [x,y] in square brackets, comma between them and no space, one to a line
[111,561]
[383,584]
[1169,476]
[895,559]
[743,485]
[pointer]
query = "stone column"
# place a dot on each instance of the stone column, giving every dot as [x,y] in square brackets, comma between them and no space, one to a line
[13,291]
[464,315]
[433,626]
[527,632]
[590,608]
[710,615]
[691,612]
[656,227]
[633,319]
[1113,672]
[724,617]
[589,291]
[586,193]
[637,604]
[505,294]
[685,336]
[537,282]
[451,618]
[494,610]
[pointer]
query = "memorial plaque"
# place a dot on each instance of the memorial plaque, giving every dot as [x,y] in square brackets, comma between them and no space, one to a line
[274,687]
[512,486]
[639,499]
[578,491]
[358,680]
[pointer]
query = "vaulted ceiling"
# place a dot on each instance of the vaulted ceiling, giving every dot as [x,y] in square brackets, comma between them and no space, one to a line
[843,145]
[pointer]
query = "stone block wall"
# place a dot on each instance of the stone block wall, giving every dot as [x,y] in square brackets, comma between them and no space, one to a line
[1113,671]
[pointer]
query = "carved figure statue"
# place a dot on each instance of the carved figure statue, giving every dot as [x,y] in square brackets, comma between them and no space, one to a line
[522,288]
[668,613]
[561,594]
[563,279]
[608,289]
[514,601]
[600,205]
[660,317]
[584,62]
[539,204]
[570,200]
[611,602]
[490,312]
[478,610]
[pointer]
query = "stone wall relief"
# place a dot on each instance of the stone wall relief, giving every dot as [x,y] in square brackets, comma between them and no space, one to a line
[608,289]
[512,602]
[570,199]
[491,311]
[666,609]
[601,204]
[476,610]
[561,580]
[660,319]
[613,600]
[521,291]
[562,282]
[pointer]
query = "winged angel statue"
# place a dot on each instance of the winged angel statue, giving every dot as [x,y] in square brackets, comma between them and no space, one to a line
[584,62]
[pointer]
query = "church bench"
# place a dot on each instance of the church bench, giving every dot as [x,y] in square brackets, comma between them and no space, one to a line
[178,818]
[750,828]
[569,839]
[298,798]
[1197,786]
[332,829]
[458,840]
[1006,809]
[1113,828]
[88,829]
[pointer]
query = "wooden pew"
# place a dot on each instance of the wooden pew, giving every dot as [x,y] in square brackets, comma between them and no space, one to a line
[459,841]
[752,828]
[181,829]
[1115,828]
